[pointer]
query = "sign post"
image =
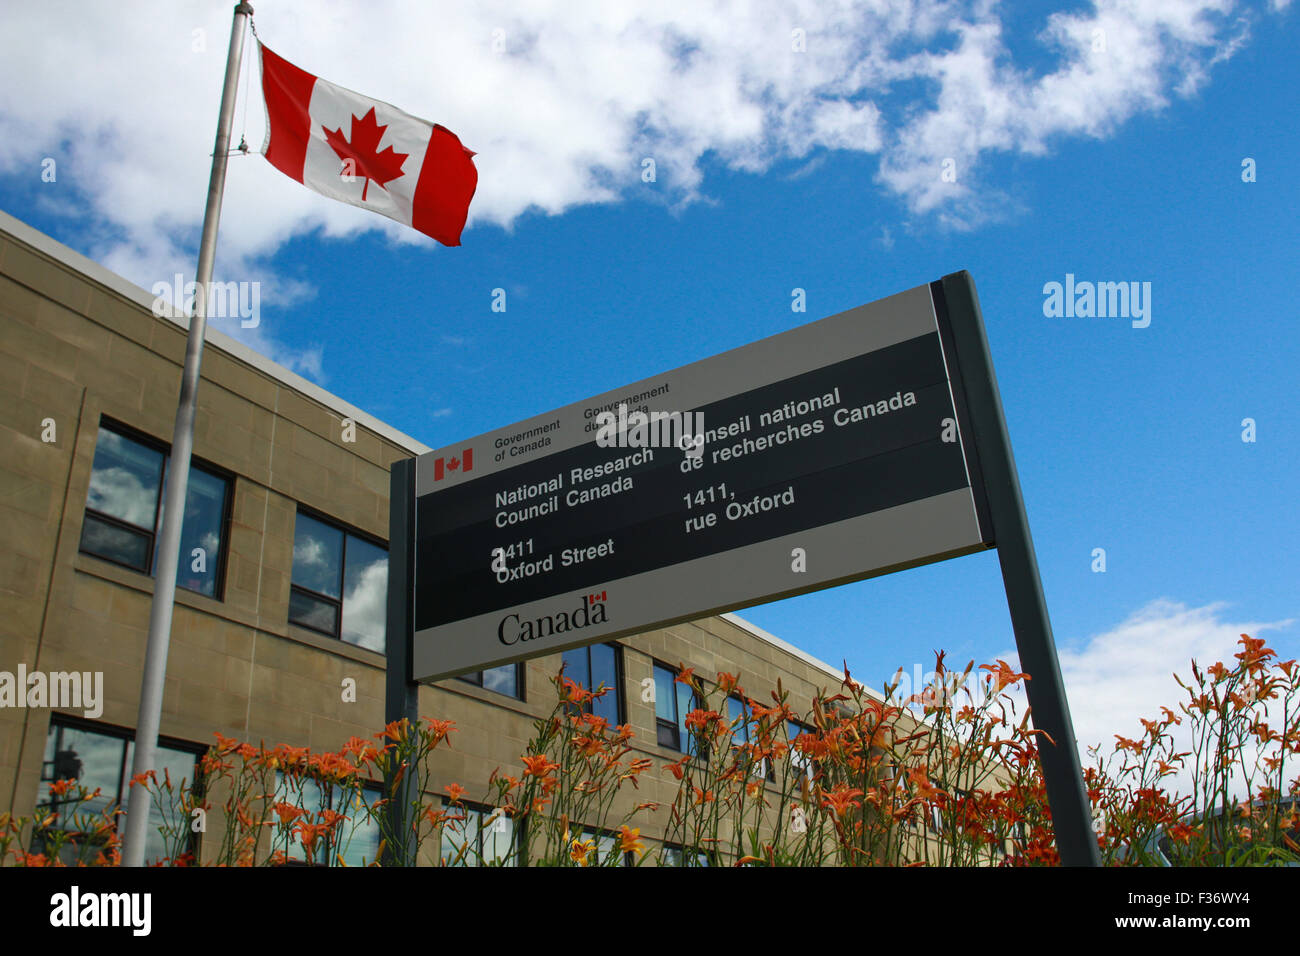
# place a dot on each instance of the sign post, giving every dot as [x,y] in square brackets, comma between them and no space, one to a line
[858,445]
[1062,772]
[401,693]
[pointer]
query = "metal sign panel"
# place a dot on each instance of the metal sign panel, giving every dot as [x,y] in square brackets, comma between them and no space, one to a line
[825,454]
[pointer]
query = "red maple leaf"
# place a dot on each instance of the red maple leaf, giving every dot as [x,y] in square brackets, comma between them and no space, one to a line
[453,463]
[368,163]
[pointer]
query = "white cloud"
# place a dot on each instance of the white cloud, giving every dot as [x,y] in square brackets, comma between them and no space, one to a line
[313,553]
[580,94]
[365,607]
[308,362]
[120,493]
[1116,678]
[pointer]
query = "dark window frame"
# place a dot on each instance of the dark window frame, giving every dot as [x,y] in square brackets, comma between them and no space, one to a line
[483,810]
[59,722]
[679,728]
[476,678]
[595,834]
[336,603]
[330,847]
[669,847]
[146,440]
[769,772]
[812,767]
[619,690]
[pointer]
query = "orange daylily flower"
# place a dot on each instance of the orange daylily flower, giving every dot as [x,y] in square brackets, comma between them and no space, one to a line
[629,841]
[288,812]
[436,816]
[579,850]
[1002,674]
[574,693]
[841,799]
[441,729]
[455,791]
[329,819]
[701,719]
[539,766]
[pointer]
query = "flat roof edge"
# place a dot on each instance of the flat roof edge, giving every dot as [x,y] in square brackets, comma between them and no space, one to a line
[70,258]
[793,651]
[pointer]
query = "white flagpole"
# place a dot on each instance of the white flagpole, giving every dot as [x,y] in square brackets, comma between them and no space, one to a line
[178,471]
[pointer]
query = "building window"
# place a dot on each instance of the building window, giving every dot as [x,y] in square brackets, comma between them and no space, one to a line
[101,758]
[477,836]
[124,507]
[592,666]
[507,679]
[604,849]
[673,701]
[340,583]
[797,759]
[671,855]
[740,718]
[354,842]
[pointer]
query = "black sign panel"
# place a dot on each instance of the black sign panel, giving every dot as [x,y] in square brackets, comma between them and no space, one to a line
[867,425]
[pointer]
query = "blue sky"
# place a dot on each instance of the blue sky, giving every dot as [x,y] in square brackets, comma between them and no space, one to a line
[1119,165]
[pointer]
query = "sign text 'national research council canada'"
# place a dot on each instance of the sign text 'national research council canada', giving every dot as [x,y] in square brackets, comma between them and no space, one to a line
[828,453]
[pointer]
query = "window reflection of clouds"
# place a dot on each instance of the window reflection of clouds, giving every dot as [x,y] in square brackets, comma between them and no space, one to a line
[340,584]
[124,479]
[114,543]
[356,840]
[309,552]
[128,484]
[205,507]
[120,493]
[317,555]
[365,600]
[480,839]
[360,836]
[503,679]
[180,766]
[592,667]
[103,761]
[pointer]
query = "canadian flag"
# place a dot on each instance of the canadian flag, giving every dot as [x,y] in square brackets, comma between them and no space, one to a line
[366,152]
[465,463]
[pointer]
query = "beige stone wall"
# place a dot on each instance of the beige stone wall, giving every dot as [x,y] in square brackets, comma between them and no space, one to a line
[73,349]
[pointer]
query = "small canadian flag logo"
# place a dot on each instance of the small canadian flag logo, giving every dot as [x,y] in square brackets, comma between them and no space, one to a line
[443,465]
